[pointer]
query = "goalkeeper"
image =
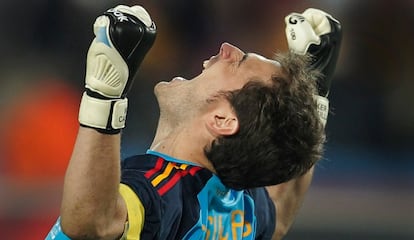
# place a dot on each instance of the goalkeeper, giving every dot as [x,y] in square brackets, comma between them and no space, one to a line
[234,150]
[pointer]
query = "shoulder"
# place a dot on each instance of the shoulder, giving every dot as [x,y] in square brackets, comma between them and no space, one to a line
[265,212]
[168,191]
[139,162]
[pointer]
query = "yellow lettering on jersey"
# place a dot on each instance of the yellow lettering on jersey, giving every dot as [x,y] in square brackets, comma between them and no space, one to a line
[221,237]
[236,224]
[248,229]
[238,229]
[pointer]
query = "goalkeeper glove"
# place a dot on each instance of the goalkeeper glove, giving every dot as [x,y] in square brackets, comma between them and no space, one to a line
[316,33]
[123,36]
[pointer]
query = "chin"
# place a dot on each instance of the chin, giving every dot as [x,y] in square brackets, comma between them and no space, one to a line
[159,86]
[158,90]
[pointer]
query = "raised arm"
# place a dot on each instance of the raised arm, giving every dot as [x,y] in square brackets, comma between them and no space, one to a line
[288,198]
[92,207]
[319,34]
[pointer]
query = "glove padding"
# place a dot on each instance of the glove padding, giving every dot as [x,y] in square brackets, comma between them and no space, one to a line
[316,33]
[123,36]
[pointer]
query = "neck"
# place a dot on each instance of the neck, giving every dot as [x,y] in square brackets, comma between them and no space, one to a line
[180,142]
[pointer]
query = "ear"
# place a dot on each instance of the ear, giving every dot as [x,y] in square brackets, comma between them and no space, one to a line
[223,121]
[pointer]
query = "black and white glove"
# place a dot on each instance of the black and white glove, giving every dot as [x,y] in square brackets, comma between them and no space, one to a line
[123,36]
[317,33]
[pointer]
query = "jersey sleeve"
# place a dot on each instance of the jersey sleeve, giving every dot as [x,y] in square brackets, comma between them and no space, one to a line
[143,203]
[265,212]
[136,213]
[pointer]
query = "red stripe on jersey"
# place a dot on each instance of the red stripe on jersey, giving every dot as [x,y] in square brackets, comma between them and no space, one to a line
[167,186]
[157,168]
[174,179]
[193,170]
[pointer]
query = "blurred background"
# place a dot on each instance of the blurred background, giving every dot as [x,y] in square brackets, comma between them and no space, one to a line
[364,186]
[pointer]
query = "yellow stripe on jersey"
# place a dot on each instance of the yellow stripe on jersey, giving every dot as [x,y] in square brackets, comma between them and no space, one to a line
[167,172]
[163,175]
[136,212]
[183,166]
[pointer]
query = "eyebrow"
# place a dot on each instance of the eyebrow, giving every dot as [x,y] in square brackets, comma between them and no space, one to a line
[243,58]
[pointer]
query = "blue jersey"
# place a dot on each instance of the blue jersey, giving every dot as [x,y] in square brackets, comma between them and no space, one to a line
[169,198]
[185,201]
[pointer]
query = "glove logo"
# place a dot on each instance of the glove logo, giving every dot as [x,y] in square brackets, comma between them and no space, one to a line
[292,34]
[122,118]
[119,15]
[294,19]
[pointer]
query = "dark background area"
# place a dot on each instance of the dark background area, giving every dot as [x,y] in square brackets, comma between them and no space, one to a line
[362,189]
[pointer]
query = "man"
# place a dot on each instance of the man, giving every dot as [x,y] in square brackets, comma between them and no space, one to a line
[245,123]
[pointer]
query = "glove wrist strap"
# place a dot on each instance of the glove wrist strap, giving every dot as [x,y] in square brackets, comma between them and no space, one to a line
[106,115]
[323,108]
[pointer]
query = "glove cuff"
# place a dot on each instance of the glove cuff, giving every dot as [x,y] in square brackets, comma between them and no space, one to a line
[323,108]
[105,115]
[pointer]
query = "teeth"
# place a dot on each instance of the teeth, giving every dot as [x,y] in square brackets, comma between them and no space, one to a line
[179,79]
[205,63]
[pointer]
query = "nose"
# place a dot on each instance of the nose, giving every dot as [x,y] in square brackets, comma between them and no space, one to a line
[228,51]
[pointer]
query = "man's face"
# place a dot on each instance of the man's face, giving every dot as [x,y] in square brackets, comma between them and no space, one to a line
[229,70]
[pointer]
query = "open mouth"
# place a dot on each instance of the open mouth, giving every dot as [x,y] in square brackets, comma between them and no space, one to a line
[177,79]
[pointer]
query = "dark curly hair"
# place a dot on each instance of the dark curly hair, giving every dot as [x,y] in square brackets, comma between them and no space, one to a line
[280,136]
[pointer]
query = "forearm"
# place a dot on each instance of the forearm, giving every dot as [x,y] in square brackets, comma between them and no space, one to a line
[288,198]
[91,202]
[92,207]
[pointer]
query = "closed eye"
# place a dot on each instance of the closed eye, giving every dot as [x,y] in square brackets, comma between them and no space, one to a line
[243,58]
